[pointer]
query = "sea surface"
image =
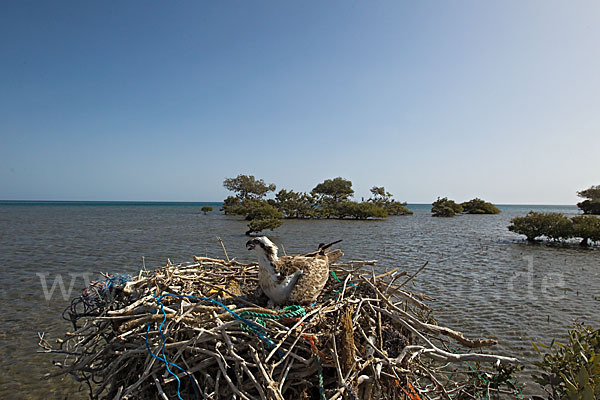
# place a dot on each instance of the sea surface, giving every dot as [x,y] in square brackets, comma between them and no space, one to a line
[484,280]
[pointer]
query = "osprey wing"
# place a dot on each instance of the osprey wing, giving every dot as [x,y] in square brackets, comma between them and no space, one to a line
[313,279]
[287,265]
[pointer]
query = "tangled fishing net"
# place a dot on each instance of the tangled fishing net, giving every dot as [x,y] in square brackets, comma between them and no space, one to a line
[201,330]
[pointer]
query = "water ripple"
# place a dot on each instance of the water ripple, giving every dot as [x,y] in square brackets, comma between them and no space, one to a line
[484,280]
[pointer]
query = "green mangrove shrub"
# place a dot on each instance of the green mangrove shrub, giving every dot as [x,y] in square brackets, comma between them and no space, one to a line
[362,210]
[560,227]
[329,199]
[262,215]
[572,370]
[295,204]
[478,206]
[248,187]
[556,226]
[249,202]
[206,209]
[397,208]
[383,199]
[331,196]
[531,225]
[259,225]
[591,204]
[587,227]
[232,205]
[445,208]
[536,225]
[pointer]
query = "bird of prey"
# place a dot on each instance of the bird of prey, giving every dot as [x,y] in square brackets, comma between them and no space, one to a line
[296,279]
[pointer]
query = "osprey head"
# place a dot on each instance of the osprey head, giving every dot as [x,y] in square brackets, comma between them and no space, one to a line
[262,242]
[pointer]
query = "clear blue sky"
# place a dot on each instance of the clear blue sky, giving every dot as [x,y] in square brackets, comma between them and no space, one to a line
[154,100]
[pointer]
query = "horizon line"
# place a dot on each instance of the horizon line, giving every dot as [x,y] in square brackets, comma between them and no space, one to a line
[203,201]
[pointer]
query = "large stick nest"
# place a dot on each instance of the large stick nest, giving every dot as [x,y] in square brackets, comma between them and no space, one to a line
[367,337]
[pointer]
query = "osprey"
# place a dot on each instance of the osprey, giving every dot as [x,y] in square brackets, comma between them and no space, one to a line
[296,279]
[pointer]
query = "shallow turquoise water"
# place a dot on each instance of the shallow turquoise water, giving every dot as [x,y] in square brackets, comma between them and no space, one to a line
[484,279]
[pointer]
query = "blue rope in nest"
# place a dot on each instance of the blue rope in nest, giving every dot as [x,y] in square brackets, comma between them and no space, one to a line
[256,328]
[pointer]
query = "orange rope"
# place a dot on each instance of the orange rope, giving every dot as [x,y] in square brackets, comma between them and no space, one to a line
[413,395]
[311,340]
[412,389]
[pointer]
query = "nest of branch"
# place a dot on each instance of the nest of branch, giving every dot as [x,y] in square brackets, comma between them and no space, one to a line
[201,330]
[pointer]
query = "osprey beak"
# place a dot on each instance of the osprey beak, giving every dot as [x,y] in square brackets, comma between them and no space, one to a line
[250,245]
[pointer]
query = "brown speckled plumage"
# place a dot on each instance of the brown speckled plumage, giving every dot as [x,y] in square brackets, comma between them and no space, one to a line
[274,271]
[315,272]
